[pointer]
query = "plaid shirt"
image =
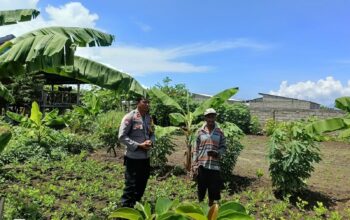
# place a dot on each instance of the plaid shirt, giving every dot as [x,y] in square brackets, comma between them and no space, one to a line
[214,141]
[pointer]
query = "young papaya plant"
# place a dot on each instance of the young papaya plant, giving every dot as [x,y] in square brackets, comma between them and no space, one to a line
[186,118]
[337,123]
[167,209]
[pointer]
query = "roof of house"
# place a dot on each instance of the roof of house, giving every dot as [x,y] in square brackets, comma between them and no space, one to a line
[283,97]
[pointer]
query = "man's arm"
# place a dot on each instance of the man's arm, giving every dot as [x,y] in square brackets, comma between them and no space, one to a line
[222,145]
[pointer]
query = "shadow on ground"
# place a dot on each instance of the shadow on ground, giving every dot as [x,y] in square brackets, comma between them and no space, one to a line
[311,197]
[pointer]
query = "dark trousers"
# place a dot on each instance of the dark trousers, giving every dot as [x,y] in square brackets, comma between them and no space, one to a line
[137,172]
[209,180]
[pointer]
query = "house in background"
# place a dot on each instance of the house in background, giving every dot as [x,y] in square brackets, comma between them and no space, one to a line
[268,101]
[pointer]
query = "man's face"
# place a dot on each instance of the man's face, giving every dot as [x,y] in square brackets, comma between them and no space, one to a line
[143,105]
[210,119]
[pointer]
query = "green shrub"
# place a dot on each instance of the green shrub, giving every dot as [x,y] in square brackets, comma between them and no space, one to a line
[292,153]
[163,148]
[235,113]
[270,126]
[107,127]
[255,126]
[233,149]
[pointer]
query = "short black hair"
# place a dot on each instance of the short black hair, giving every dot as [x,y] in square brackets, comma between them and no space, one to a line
[140,98]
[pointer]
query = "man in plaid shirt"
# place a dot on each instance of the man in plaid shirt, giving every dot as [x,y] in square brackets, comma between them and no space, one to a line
[209,147]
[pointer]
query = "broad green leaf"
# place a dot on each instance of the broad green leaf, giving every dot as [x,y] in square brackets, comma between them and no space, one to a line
[96,73]
[327,125]
[5,46]
[231,206]
[82,37]
[195,216]
[126,213]
[163,205]
[215,101]
[5,136]
[145,209]
[236,216]
[343,103]
[171,216]
[165,99]
[49,48]
[14,116]
[184,208]
[162,131]
[35,114]
[14,16]
[177,118]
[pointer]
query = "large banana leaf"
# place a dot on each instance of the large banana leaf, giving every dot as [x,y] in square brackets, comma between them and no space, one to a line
[214,101]
[14,16]
[48,48]
[98,74]
[80,36]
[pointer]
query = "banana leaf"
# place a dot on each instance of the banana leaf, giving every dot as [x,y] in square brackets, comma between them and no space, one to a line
[48,48]
[214,101]
[82,37]
[343,103]
[96,73]
[162,131]
[14,16]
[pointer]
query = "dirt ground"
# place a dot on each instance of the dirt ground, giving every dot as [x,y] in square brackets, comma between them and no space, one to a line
[330,182]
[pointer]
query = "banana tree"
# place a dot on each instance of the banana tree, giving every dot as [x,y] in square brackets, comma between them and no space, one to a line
[337,123]
[186,117]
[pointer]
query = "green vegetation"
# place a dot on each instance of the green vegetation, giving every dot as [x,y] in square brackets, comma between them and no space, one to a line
[292,152]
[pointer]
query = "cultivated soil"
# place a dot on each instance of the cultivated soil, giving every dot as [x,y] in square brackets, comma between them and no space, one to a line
[329,183]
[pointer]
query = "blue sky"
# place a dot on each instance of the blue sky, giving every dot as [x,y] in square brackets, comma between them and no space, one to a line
[298,49]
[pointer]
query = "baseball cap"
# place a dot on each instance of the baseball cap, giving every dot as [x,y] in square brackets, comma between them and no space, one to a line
[210,111]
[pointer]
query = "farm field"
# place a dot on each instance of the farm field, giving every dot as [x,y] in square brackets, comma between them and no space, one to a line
[88,186]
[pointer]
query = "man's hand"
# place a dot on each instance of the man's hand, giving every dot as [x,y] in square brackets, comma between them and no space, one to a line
[146,145]
[213,153]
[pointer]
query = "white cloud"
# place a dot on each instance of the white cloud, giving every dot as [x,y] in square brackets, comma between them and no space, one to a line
[70,14]
[148,60]
[323,91]
[18,4]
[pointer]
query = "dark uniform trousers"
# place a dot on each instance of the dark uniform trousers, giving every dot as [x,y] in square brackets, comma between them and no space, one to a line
[137,172]
[209,180]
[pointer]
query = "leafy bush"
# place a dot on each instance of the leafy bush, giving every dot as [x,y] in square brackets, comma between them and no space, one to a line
[292,152]
[270,126]
[233,148]
[107,127]
[235,113]
[163,148]
[255,126]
